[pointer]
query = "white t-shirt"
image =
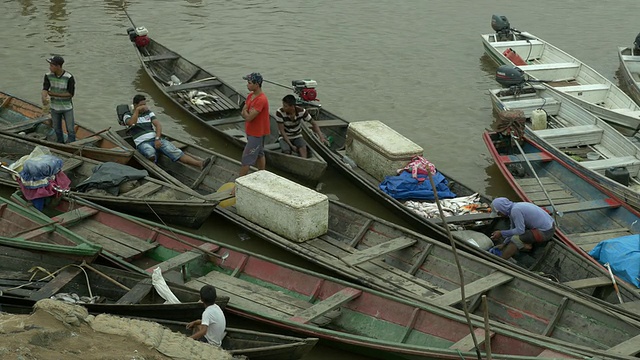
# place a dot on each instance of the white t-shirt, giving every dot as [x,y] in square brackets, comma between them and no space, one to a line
[213,318]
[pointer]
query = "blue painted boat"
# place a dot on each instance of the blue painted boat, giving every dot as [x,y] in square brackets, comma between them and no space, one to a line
[585,212]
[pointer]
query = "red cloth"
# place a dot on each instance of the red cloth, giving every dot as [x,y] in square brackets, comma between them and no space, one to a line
[60,180]
[260,125]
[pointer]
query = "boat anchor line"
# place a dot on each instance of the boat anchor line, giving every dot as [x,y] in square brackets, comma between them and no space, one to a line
[67,194]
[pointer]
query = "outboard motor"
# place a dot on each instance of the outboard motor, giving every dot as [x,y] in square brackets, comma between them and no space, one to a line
[636,46]
[121,111]
[305,89]
[139,36]
[503,29]
[510,76]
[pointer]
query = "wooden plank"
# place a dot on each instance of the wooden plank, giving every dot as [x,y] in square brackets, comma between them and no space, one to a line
[75,215]
[320,308]
[556,317]
[423,256]
[224,99]
[378,250]
[184,258]
[203,173]
[630,347]
[539,156]
[143,190]
[71,164]
[589,282]
[332,123]
[225,121]
[410,325]
[569,131]
[137,292]
[466,343]
[363,230]
[193,85]
[56,284]
[159,57]
[112,240]
[481,285]
[86,140]
[587,206]
[550,354]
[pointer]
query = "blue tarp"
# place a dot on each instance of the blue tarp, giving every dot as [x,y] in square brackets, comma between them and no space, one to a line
[405,187]
[623,255]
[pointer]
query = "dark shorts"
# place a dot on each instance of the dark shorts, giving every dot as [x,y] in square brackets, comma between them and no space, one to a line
[253,150]
[532,237]
[297,142]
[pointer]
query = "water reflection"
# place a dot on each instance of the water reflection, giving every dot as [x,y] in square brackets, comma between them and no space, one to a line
[57,21]
[28,8]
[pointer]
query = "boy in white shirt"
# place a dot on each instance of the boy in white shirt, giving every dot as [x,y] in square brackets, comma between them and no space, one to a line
[209,329]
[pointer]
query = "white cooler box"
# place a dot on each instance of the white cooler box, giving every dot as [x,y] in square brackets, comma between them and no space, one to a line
[378,149]
[282,206]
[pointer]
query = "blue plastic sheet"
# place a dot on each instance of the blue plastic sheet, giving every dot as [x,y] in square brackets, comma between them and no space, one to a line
[405,187]
[623,255]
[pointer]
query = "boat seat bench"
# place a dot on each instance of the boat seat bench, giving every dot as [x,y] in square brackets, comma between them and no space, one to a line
[587,206]
[184,258]
[474,288]
[322,307]
[136,293]
[579,88]
[620,161]
[589,282]
[466,343]
[56,284]
[507,159]
[549,66]
[159,57]
[378,250]
[572,136]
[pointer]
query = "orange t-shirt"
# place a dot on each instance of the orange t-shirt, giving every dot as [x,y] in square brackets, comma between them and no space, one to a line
[260,125]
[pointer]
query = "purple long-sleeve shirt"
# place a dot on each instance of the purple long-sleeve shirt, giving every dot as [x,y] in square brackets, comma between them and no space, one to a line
[523,216]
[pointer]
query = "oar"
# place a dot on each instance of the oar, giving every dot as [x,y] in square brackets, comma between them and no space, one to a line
[553,207]
[222,257]
[54,223]
[613,280]
[107,277]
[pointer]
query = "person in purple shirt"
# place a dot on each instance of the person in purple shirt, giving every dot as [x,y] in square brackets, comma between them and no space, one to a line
[530,224]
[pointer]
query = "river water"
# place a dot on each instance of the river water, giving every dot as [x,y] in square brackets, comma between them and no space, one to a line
[417,65]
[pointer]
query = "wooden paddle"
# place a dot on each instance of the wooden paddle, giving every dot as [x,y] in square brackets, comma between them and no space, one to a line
[227,187]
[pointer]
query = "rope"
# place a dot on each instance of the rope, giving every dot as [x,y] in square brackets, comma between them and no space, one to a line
[36,269]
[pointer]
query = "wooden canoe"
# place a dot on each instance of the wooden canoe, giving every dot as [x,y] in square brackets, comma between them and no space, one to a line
[29,230]
[220,170]
[314,305]
[222,115]
[570,77]
[630,71]
[587,212]
[153,198]
[572,133]
[120,292]
[24,119]
[393,259]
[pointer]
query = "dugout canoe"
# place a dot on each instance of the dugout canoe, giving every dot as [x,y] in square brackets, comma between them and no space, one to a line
[571,133]
[25,229]
[314,305]
[585,212]
[222,112]
[151,197]
[118,292]
[564,73]
[24,119]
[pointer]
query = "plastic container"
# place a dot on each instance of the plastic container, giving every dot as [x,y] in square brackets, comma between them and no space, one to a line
[349,161]
[593,155]
[619,174]
[538,119]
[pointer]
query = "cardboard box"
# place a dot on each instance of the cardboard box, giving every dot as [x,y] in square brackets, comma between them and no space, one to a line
[282,206]
[378,149]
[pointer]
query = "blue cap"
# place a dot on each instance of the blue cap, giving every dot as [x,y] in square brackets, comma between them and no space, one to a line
[254,78]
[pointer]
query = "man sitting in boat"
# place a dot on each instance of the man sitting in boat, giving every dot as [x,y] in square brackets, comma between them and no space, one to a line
[530,224]
[290,118]
[209,329]
[146,131]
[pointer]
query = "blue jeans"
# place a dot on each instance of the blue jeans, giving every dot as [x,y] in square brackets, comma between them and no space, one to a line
[148,149]
[56,119]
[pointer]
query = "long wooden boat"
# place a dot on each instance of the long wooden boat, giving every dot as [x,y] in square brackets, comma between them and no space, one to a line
[630,71]
[352,316]
[114,291]
[570,77]
[152,197]
[24,119]
[573,133]
[207,181]
[221,112]
[28,230]
[586,213]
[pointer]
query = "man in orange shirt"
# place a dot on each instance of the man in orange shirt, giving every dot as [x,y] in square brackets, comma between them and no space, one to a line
[257,124]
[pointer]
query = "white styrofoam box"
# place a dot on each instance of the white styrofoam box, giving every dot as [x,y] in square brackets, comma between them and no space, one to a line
[378,149]
[282,206]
